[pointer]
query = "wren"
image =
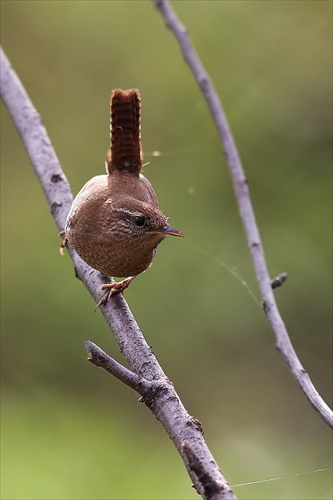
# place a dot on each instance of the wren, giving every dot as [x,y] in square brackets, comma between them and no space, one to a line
[114,223]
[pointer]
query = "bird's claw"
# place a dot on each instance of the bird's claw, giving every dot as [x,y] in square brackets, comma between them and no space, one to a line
[113,289]
[63,242]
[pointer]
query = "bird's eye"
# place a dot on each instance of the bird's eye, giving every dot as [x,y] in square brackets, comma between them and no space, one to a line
[139,220]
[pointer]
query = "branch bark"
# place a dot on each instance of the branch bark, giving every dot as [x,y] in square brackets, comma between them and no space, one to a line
[146,375]
[283,342]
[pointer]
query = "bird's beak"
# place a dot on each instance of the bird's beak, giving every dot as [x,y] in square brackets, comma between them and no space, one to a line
[171,231]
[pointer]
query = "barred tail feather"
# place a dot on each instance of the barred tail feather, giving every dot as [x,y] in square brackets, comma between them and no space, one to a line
[125,129]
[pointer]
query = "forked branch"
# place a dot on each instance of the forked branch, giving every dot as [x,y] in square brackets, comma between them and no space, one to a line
[283,342]
[145,374]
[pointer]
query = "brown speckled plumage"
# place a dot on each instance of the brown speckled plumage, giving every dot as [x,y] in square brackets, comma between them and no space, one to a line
[114,223]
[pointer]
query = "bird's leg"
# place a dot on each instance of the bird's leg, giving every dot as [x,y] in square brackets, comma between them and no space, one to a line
[63,242]
[114,288]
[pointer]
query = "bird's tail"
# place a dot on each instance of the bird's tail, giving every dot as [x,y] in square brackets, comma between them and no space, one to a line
[125,129]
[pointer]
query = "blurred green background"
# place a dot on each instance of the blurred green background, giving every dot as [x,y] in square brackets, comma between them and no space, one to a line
[69,430]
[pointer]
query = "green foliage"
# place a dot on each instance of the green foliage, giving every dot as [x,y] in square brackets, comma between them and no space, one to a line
[69,431]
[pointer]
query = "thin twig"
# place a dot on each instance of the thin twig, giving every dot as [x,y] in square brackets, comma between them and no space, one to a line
[279,280]
[241,189]
[164,401]
[99,358]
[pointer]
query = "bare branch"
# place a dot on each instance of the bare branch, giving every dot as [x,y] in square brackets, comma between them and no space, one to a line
[162,400]
[99,358]
[241,189]
[212,490]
